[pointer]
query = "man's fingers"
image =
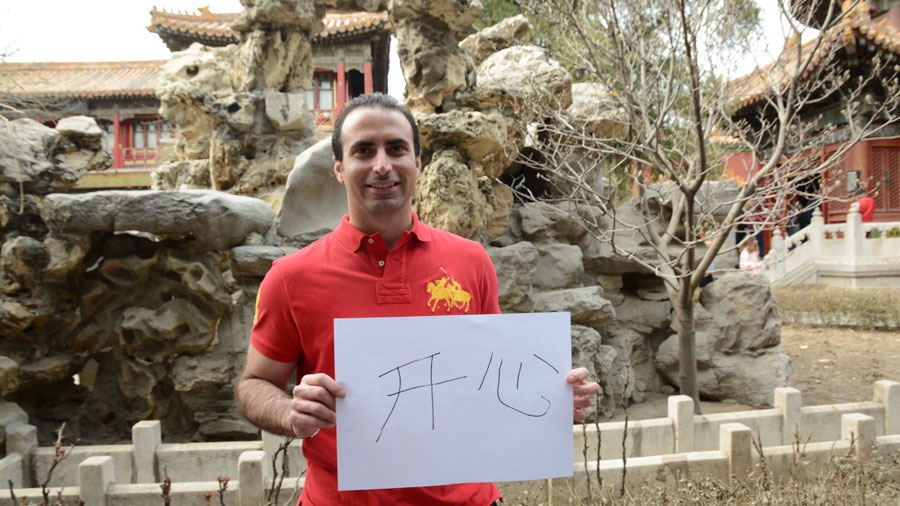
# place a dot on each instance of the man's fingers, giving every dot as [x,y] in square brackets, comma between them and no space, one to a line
[576,375]
[313,409]
[580,401]
[325,381]
[591,388]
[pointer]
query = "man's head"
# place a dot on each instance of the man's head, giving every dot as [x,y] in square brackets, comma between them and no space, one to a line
[376,158]
[374,100]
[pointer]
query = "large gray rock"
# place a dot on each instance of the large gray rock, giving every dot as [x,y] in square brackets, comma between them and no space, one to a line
[744,312]
[515,265]
[587,306]
[542,222]
[559,266]
[738,336]
[314,200]
[450,196]
[25,148]
[507,33]
[216,220]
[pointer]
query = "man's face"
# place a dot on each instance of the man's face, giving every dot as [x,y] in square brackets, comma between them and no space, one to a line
[379,169]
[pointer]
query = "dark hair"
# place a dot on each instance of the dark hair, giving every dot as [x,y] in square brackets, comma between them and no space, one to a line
[374,100]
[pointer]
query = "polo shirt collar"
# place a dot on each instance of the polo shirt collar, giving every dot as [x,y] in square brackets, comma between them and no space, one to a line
[352,237]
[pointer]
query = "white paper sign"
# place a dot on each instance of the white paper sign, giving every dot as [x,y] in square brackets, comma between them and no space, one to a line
[438,400]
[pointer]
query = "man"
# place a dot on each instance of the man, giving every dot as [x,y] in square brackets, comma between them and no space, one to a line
[376,263]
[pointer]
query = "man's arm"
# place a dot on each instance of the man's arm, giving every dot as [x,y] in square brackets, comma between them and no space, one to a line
[262,400]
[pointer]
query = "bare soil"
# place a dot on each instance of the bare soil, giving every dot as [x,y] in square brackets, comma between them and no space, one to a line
[831,366]
[834,365]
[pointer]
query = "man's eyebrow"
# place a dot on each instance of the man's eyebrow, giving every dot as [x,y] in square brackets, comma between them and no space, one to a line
[362,143]
[398,140]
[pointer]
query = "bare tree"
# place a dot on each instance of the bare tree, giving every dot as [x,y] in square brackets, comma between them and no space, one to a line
[659,70]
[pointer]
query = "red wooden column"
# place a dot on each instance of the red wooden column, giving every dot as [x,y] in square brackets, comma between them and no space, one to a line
[341,88]
[117,144]
[367,77]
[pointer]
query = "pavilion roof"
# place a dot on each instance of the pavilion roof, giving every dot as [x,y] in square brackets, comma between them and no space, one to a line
[87,80]
[858,26]
[214,29]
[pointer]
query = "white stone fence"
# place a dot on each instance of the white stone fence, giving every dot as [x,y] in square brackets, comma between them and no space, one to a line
[660,451]
[852,254]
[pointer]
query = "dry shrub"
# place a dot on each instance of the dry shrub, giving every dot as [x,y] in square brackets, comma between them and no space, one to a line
[868,309]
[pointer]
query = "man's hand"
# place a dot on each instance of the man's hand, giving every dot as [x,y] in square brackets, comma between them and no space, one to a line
[312,405]
[581,389]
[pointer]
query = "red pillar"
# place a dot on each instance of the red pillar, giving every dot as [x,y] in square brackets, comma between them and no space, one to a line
[341,88]
[117,145]
[367,77]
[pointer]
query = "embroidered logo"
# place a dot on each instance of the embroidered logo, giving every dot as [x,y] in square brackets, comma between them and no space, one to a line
[448,291]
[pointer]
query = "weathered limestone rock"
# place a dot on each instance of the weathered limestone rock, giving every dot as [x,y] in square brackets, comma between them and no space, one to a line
[81,145]
[289,113]
[507,33]
[216,220]
[23,258]
[550,223]
[303,14]
[600,360]
[434,65]
[593,107]
[487,139]
[181,175]
[450,197]
[738,335]
[744,312]
[256,260]
[515,267]
[314,200]
[8,370]
[521,74]
[46,160]
[643,315]
[586,305]
[559,266]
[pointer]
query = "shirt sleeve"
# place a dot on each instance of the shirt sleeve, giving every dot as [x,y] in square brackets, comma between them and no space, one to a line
[275,333]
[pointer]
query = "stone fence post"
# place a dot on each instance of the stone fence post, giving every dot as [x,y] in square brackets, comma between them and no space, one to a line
[735,442]
[146,436]
[888,394]
[859,430]
[94,477]
[681,413]
[854,235]
[779,248]
[21,438]
[789,401]
[251,488]
[816,235]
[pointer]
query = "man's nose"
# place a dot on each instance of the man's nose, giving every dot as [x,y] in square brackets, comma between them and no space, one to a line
[382,163]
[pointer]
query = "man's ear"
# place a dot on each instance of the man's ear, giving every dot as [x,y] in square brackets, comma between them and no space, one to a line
[337,170]
[419,164]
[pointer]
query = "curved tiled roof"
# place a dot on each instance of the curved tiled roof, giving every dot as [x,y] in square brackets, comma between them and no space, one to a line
[858,25]
[214,29]
[88,80]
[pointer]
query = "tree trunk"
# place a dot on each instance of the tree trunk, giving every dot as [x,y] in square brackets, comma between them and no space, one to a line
[687,346]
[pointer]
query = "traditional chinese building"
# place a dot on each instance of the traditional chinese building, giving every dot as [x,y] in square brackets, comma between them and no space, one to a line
[350,58]
[871,30]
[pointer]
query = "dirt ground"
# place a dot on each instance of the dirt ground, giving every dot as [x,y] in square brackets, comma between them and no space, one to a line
[831,366]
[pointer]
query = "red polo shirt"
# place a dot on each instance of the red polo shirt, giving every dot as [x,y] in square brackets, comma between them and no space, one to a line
[348,274]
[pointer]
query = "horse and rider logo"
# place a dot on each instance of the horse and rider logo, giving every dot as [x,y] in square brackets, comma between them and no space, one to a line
[448,291]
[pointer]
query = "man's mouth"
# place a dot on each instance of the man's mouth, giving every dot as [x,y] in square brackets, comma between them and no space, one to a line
[382,186]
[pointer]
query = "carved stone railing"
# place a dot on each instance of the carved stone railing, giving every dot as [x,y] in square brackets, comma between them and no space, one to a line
[852,254]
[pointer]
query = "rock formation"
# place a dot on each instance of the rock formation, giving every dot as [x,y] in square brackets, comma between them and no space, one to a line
[738,335]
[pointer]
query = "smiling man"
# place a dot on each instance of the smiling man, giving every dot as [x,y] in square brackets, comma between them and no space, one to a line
[380,261]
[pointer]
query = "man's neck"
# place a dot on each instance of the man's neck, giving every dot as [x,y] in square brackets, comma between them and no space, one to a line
[390,227]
